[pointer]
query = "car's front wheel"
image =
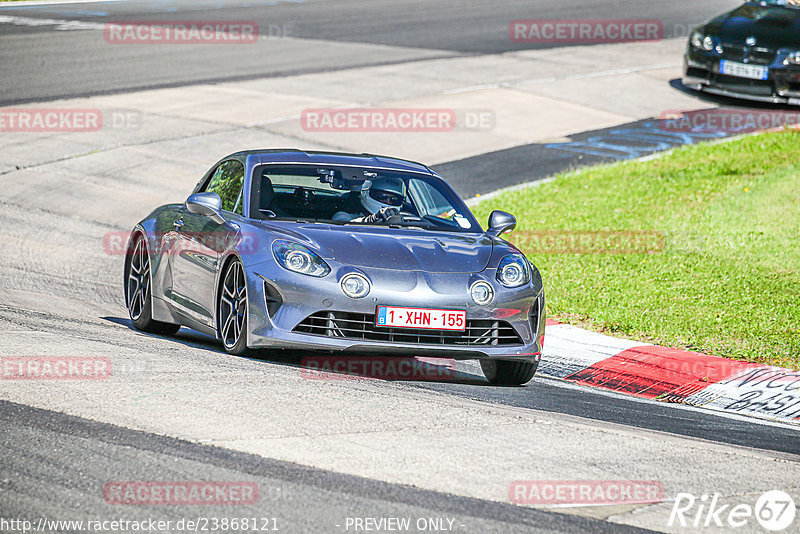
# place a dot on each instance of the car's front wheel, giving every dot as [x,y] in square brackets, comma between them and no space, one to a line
[232,324]
[138,281]
[508,372]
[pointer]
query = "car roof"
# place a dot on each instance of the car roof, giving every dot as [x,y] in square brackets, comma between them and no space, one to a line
[291,155]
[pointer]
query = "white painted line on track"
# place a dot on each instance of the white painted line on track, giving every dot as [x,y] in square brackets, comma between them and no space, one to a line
[55,2]
[60,24]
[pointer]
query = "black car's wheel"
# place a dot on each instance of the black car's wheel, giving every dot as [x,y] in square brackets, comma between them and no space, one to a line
[137,292]
[232,324]
[508,372]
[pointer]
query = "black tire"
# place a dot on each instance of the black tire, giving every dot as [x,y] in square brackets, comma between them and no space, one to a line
[508,372]
[232,309]
[138,284]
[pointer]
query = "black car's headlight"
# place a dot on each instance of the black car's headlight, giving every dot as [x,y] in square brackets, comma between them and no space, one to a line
[699,41]
[299,259]
[792,59]
[696,39]
[513,271]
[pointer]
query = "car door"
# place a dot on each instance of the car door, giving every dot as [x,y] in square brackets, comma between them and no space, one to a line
[200,242]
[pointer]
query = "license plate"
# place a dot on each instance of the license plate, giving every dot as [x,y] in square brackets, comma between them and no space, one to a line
[753,72]
[426,318]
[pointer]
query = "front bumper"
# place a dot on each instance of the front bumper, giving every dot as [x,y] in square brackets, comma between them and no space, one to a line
[702,73]
[282,301]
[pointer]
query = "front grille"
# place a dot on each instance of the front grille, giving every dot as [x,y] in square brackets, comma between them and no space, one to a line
[350,325]
[748,54]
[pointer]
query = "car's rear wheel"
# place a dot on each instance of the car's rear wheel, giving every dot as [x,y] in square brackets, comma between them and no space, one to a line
[138,282]
[232,323]
[508,372]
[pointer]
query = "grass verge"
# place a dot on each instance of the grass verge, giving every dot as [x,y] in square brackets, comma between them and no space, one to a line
[697,249]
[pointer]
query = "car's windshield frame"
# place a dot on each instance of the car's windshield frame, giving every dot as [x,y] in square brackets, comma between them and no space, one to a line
[349,176]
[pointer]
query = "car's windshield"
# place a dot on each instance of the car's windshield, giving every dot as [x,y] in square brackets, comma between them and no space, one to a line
[350,195]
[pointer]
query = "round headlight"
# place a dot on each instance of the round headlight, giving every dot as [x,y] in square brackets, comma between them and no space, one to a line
[355,286]
[696,39]
[298,260]
[482,293]
[708,43]
[513,271]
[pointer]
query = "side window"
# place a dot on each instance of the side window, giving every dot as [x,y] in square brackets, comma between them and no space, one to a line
[227,182]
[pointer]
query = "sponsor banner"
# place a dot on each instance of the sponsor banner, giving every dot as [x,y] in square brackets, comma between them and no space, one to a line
[770,392]
[182,32]
[376,367]
[180,493]
[585,31]
[727,120]
[55,368]
[585,492]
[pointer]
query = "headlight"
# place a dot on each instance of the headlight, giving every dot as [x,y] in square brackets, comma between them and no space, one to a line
[696,39]
[355,285]
[792,59]
[513,271]
[708,43]
[482,293]
[297,258]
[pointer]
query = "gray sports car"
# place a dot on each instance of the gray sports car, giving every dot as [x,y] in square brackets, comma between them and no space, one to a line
[343,253]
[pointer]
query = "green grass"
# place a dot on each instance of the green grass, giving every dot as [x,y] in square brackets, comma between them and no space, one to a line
[725,282]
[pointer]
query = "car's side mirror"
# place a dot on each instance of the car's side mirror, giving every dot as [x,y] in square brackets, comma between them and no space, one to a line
[208,204]
[501,222]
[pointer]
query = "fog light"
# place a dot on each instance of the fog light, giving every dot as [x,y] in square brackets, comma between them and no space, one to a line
[482,293]
[355,286]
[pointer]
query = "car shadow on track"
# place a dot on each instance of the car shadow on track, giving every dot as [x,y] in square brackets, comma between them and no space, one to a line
[323,366]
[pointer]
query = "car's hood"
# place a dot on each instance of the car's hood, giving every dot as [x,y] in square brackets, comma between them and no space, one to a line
[773,27]
[387,248]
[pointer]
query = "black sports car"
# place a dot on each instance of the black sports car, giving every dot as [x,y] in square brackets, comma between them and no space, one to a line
[752,52]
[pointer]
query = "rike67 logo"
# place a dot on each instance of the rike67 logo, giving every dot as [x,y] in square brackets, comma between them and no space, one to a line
[774,511]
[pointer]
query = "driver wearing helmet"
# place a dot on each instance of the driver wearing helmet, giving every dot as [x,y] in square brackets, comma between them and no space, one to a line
[381,201]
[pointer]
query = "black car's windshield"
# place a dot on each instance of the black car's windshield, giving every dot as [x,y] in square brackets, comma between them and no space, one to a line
[343,195]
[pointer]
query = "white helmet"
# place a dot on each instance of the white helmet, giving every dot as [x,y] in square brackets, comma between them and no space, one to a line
[383,193]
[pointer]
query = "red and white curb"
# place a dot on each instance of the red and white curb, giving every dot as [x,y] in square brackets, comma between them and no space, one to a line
[670,375]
